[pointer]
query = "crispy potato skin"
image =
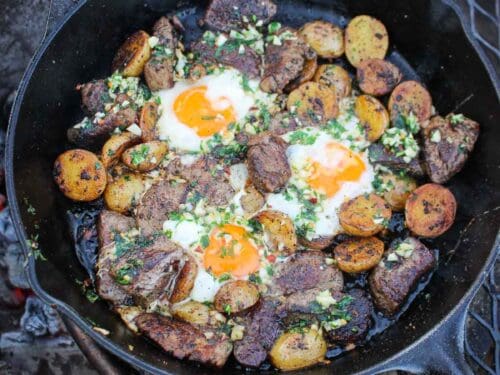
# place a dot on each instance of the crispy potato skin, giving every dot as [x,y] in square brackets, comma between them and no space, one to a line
[122,194]
[147,122]
[185,281]
[410,97]
[318,243]
[296,350]
[133,55]
[313,97]
[365,38]
[335,77]
[430,210]
[377,77]
[146,156]
[326,39]
[114,147]
[359,254]
[192,312]
[360,216]
[372,115]
[279,230]
[310,66]
[401,187]
[80,175]
[236,296]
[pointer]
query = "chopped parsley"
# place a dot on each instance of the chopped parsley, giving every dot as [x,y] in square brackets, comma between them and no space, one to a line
[227,309]
[302,137]
[245,83]
[225,277]
[204,241]
[457,119]
[401,143]
[139,155]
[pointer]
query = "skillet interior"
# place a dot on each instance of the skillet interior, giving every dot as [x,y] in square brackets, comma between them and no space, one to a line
[427,33]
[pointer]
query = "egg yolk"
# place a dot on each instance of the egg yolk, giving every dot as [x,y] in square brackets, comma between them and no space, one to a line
[339,165]
[206,117]
[230,251]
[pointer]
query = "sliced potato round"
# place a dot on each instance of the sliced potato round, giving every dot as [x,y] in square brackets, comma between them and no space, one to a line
[373,115]
[326,39]
[377,77]
[133,55]
[279,230]
[364,215]
[399,187]
[430,210]
[192,312]
[336,77]
[146,156]
[313,102]
[410,97]
[359,254]
[122,194]
[148,120]
[185,281]
[296,350]
[310,66]
[318,243]
[114,147]
[236,296]
[80,175]
[365,38]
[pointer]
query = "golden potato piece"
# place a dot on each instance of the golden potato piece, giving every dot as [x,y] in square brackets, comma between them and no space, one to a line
[313,102]
[279,230]
[373,116]
[410,97]
[133,55]
[306,75]
[296,350]
[430,210]
[236,296]
[364,215]
[192,312]
[185,281]
[252,201]
[80,175]
[359,254]
[146,156]
[147,122]
[377,77]
[336,77]
[122,194]
[365,38]
[399,187]
[318,243]
[114,147]
[326,39]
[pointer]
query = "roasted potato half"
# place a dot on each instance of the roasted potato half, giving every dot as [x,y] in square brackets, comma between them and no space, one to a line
[279,230]
[318,243]
[192,312]
[236,296]
[147,122]
[326,39]
[313,102]
[336,77]
[372,115]
[399,188]
[122,194]
[377,77]
[146,156]
[359,254]
[185,281]
[365,38]
[80,175]
[410,97]
[296,350]
[364,215]
[133,55]
[310,66]
[114,147]
[430,210]
[252,201]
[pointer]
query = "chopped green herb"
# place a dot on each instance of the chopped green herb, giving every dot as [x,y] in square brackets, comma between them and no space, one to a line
[227,309]
[224,277]
[139,155]
[457,119]
[204,241]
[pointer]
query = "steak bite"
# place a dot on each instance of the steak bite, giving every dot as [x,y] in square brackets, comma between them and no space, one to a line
[225,15]
[378,154]
[185,341]
[397,274]
[110,223]
[267,162]
[448,143]
[95,95]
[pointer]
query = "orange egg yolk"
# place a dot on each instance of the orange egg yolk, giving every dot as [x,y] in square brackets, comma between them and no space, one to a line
[206,117]
[339,165]
[230,251]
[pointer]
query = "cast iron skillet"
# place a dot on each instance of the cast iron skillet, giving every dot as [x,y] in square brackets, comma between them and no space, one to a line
[427,33]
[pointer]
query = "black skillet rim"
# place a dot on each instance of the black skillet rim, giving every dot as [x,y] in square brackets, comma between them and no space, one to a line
[108,344]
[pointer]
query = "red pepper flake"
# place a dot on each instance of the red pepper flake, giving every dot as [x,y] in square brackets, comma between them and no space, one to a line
[199,250]
[271,258]
[313,200]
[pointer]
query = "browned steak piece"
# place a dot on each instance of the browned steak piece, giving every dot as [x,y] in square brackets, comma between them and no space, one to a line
[225,15]
[184,341]
[95,95]
[305,270]
[283,63]
[159,201]
[378,154]
[282,123]
[247,62]
[447,145]
[111,223]
[268,167]
[395,276]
